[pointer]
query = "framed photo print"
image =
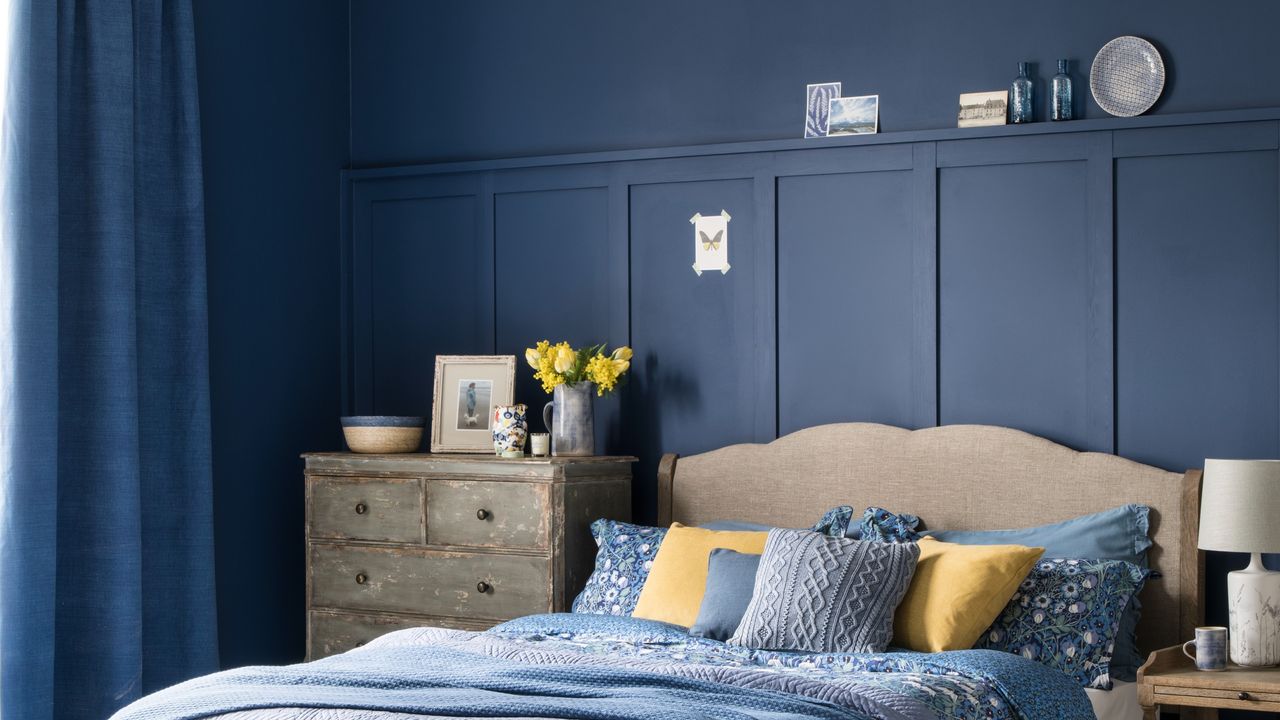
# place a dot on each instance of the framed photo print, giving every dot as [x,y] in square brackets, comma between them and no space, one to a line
[466,389]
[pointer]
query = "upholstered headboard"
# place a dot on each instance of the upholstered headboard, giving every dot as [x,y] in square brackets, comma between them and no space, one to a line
[957,477]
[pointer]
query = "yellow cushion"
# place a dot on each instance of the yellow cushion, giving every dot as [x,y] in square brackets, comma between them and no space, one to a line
[957,591]
[678,578]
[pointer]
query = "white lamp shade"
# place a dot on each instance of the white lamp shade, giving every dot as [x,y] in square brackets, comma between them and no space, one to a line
[1240,506]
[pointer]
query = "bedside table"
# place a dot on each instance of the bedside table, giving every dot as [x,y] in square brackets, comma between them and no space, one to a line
[1170,678]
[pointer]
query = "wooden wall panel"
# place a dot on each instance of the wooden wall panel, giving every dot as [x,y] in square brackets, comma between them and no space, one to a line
[1014,298]
[553,282]
[431,285]
[845,299]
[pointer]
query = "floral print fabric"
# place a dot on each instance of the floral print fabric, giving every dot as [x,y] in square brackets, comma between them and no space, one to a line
[1066,615]
[880,525]
[626,554]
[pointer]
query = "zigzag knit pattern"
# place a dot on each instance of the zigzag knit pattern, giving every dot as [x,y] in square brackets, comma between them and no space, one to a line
[824,594]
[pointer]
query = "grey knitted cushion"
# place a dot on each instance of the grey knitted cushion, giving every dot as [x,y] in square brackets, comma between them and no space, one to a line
[823,594]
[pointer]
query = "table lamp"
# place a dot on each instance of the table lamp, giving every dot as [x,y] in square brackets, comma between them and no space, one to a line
[1240,512]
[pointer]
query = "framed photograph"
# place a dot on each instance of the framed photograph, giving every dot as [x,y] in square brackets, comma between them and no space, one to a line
[467,387]
[979,109]
[854,115]
[817,104]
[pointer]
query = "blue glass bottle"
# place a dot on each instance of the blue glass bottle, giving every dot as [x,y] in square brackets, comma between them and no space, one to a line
[1020,97]
[1062,99]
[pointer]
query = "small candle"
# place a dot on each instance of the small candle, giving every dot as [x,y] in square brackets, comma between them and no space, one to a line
[540,444]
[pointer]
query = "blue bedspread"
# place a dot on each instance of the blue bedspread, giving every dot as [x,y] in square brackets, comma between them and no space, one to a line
[604,668]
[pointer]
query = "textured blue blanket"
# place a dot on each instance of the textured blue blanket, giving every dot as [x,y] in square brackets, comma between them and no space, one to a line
[596,668]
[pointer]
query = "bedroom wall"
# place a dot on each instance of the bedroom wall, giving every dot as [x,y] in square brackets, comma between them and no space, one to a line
[1179,363]
[461,80]
[273,95]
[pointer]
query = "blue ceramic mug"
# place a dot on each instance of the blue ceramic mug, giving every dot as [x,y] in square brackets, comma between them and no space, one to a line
[1211,649]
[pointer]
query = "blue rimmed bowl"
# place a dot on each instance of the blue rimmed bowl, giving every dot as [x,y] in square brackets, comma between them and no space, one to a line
[383,434]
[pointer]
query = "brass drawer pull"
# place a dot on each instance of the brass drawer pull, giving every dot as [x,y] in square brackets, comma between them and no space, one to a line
[361,578]
[360,508]
[483,587]
[1244,696]
[483,514]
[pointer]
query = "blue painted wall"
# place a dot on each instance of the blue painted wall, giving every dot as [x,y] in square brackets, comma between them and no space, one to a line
[502,78]
[273,96]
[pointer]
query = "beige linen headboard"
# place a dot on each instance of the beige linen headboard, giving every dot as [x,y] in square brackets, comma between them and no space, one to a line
[956,477]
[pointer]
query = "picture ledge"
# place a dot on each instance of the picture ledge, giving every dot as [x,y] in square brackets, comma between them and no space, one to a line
[782,145]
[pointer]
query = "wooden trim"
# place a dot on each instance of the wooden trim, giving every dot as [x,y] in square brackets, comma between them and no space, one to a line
[666,477]
[1191,557]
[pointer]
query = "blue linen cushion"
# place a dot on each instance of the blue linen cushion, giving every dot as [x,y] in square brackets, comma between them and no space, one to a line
[626,551]
[1066,615]
[731,575]
[1120,533]
[817,593]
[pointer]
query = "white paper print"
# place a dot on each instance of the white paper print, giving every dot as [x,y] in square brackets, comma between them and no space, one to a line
[711,242]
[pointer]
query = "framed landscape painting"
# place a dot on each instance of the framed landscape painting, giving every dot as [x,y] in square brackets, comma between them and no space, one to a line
[467,387]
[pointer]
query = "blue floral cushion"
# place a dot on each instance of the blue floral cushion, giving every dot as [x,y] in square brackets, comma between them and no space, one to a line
[880,525]
[626,554]
[1066,615]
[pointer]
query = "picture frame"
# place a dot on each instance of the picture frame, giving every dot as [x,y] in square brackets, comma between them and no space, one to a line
[983,109]
[465,390]
[858,115]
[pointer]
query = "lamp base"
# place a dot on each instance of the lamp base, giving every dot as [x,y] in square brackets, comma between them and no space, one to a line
[1253,595]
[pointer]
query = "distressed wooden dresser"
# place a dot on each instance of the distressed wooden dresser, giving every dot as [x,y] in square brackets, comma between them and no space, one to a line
[461,541]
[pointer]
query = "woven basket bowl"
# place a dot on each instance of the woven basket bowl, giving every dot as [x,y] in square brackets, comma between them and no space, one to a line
[383,434]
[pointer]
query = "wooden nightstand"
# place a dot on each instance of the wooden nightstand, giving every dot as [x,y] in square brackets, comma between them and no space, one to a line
[1170,679]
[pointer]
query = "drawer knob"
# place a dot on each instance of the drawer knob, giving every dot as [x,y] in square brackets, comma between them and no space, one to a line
[361,578]
[483,587]
[1244,696]
[483,514]
[360,508]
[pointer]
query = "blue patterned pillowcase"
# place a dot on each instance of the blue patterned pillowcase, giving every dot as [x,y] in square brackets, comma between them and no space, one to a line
[626,554]
[1066,615]
[880,525]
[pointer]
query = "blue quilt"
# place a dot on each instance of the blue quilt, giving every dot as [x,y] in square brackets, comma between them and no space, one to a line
[605,668]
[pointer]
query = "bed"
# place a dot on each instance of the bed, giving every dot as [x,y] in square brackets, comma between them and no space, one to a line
[594,667]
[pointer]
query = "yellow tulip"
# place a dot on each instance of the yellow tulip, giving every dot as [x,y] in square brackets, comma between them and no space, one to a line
[565,358]
[532,357]
[622,353]
[621,366]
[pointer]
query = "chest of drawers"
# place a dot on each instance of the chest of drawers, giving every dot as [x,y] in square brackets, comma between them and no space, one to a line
[461,541]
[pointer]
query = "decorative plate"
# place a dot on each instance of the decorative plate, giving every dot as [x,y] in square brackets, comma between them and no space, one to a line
[1127,76]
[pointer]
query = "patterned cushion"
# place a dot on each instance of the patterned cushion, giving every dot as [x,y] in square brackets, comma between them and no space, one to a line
[626,554]
[1066,615]
[622,565]
[823,594]
[880,525]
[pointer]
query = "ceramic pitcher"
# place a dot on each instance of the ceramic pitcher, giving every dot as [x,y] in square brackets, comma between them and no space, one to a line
[570,417]
[510,428]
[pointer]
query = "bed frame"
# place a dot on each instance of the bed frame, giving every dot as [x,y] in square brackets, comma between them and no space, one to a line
[958,477]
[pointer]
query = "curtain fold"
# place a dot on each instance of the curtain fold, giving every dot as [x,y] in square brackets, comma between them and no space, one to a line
[106,554]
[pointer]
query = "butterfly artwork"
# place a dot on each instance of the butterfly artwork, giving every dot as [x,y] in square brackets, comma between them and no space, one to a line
[710,242]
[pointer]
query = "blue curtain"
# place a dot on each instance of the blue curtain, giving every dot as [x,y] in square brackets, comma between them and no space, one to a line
[106,554]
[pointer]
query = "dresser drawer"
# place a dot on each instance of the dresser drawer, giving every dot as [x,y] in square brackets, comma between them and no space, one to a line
[360,509]
[429,582]
[336,632]
[480,513]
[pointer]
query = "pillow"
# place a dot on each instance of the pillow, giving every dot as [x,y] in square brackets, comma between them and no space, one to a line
[1116,534]
[731,575]
[883,526]
[626,552]
[673,591]
[822,594]
[623,560]
[1066,615]
[957,592]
